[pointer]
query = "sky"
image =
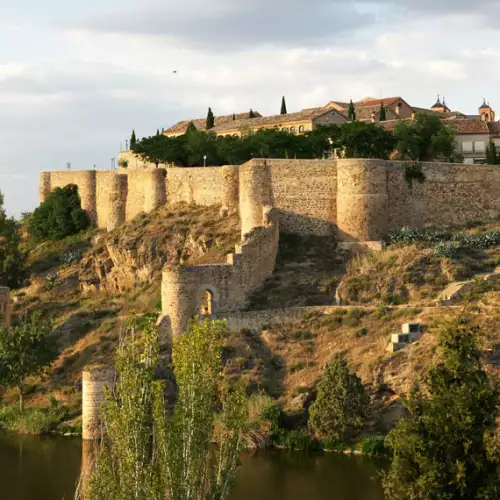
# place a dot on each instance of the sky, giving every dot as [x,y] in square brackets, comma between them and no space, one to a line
[77,77]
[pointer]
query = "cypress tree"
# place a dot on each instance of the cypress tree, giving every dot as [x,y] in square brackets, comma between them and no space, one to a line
[210,119]
[351,113]
[283,106]
[234,117]
[382,116]
[133,140]
[251,114]
[491,154]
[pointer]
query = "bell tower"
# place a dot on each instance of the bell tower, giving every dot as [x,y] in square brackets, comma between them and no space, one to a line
[486,112]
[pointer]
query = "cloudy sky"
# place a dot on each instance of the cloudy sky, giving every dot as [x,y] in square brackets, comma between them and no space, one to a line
[76,77]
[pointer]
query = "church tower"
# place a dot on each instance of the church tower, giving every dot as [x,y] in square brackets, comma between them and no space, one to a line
[486,113]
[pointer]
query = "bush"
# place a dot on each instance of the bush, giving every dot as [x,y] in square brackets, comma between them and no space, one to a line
[374,446]
[60,215]
[295,440]
[342,402]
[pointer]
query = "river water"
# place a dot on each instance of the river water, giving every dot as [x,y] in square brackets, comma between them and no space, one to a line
[46,468]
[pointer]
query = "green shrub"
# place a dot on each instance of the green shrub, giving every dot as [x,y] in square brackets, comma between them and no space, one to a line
[342,402]
[374,446]
[60,215]
[295,440]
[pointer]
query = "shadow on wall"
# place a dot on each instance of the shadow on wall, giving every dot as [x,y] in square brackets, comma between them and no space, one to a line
[292,222]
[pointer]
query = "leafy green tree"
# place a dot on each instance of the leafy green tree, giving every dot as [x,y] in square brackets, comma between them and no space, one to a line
[342,402]
[133,140]
[210,119]
[60,215]
[382,115]
[26,349]
[491,154]
[424,138]
[12,259]
[251,114]
[443,450]
[150,452]
[351,112]
[283,106]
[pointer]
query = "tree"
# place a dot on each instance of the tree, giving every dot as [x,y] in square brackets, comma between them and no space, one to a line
[491,154]
[150,452]
[25,350]
[133,140]
[283,106]
[382,115]
[234,117]
[60,215]
[341,405]
[351,112]
[251,114]
[443,450]
[424,138]
[210,119]
[12,259]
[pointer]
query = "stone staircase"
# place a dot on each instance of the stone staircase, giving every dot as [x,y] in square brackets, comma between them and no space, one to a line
[457,289]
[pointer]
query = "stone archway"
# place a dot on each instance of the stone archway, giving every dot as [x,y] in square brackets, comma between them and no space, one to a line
[207,300]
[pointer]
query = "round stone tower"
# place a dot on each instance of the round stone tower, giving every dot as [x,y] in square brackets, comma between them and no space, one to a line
[255,194]
[362,214]
[94,382]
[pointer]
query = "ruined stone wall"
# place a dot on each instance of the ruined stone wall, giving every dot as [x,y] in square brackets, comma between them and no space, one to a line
[230,285]
[203,186]
[94,382]
[5,307]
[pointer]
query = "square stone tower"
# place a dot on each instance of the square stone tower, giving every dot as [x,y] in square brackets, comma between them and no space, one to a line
[5,307]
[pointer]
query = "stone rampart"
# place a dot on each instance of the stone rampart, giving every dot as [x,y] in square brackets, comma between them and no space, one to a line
[228,285]
[203,186]
[94,383]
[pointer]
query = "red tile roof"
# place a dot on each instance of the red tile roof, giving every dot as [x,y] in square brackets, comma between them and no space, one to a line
[494,128]
[201,123]
[469,126]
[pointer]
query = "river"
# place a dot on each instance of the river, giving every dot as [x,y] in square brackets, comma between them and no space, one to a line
[46,468]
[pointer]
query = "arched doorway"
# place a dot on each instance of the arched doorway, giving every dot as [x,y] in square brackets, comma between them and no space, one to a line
[207,303]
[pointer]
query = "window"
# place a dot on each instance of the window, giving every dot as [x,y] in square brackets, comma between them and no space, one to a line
[301,129]
[207,303]
[479,147]
[467,147]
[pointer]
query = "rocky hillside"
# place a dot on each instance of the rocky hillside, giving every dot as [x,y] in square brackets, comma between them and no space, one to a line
[91,284]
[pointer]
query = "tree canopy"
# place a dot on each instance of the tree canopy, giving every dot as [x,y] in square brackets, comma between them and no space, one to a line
[444,450]
[60,215]
[424,138]
[25,350]
[12,258]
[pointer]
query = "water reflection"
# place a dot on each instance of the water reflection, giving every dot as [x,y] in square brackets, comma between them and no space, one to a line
[33,468]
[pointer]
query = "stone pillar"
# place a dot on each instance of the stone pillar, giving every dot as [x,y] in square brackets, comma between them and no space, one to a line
[255,194]
[44,189]
[362,212]
[5,306]
[93,397]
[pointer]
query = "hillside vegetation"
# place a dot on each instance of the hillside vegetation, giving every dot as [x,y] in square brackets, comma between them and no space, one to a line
[90,285]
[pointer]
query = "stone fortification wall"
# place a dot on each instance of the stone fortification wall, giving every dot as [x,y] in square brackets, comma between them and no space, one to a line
[303,191]
[5,307]
[94,383]
[229,285]
[135,162]
[451,194]
[203,186]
